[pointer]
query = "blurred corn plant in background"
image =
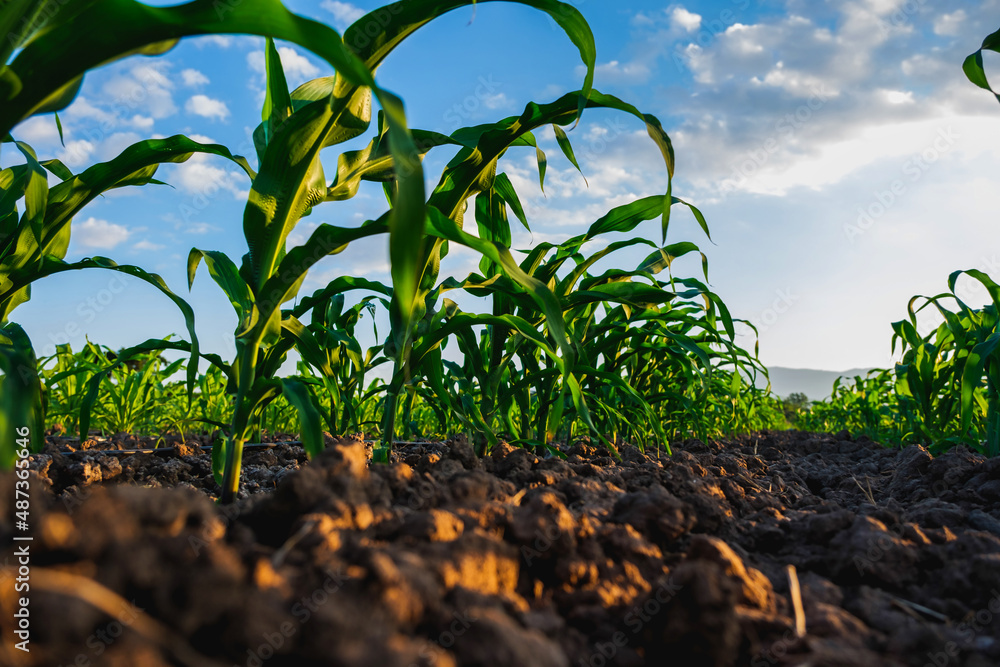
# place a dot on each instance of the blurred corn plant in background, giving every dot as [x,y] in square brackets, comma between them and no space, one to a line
[949,381]
[945,390]
[865,405]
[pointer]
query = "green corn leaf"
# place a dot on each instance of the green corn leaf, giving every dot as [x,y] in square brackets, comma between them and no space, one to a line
[374,35]
[123,356]
[227,276]
[277,102]
[59,127]
[36,195]
[554,420]
[445,228]
[307,345]
[567,149]
[972,377]
[101,32]
[505,189]
[335,287]
[290,183]
[58,168]
[325,240]
[470,166]
[634,294]
[20,395]
[309,417]
[133,166]
[627,217]
[973,65]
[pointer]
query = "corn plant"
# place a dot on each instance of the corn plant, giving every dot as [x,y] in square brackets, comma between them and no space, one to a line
[866,405]
[64,377]
[474,172]
[296,127]
[33,242]
[952,376]
[135,395]
[333,365]
[48,50]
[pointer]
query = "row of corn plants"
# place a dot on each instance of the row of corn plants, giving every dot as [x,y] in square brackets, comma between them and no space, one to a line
[561,349]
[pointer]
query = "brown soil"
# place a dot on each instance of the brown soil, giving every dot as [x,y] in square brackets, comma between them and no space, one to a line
[445,559]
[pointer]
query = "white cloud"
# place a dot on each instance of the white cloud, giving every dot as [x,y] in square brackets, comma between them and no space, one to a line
[834,159]
[344,13]
[497,101]
[199,228]
[687,21]
[148,246]
[38,130]
[201,139]
[949,24]
[76,153]
[83,110]
[143,87]
[898,96]
[141,122]
[96,233]
[615,72]
[296,66]
[221,41]
[200,176]
[202,105]
[193,77]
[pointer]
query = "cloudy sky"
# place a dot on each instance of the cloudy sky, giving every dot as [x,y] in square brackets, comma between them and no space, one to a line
[843,161]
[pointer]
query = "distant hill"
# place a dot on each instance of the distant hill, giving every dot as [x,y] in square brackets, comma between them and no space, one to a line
[814,384]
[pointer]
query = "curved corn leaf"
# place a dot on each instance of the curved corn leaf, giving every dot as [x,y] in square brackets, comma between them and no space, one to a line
[227,276]
[20,395]
[57,58]
[312,430]
[973,65]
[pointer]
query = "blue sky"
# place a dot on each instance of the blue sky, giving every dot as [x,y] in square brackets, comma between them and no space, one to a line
[842,160]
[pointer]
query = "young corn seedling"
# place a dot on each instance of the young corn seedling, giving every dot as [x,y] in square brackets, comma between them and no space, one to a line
[952,376]
[135,394]
[334,352]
